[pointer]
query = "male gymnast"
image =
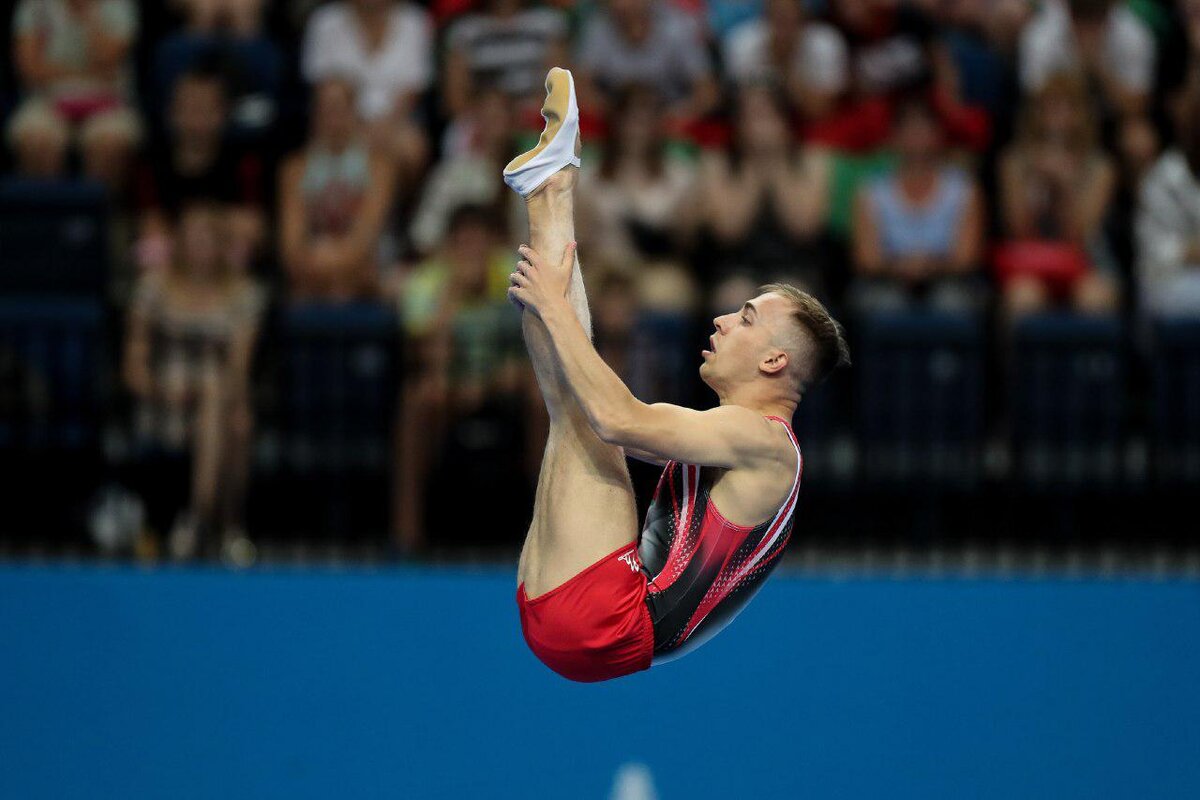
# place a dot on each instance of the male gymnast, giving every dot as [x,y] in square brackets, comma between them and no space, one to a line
[596,600]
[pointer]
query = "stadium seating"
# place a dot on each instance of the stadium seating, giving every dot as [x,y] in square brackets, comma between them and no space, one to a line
[336,400]
[52,362]
[663,360]
[52,386]
[55,238]
[255,68]
[1068,400]
[1176,402]
[920,397]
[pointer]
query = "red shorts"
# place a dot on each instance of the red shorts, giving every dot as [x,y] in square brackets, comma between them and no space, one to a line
[596,625]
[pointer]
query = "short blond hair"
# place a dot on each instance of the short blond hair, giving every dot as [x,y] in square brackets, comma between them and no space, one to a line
[828,336]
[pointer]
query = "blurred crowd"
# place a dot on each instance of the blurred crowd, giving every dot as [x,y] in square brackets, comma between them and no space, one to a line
[998,158]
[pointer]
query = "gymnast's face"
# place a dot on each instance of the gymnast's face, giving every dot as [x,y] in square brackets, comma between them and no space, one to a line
[744,343]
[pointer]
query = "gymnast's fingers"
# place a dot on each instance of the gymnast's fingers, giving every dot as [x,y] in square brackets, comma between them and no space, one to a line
[531,256]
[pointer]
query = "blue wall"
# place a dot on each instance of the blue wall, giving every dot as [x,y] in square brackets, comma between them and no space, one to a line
[116,682]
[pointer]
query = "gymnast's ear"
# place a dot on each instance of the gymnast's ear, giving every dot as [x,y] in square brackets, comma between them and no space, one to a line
[775,363]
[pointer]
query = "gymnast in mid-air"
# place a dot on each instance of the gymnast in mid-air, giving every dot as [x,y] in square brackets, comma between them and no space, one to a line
[598,599]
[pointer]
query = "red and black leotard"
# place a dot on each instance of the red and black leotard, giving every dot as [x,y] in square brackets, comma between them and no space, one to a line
[702,569]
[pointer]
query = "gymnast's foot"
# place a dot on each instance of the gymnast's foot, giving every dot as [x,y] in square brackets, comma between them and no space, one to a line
[553,163]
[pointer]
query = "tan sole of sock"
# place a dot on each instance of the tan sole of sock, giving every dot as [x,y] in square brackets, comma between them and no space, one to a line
[558,92]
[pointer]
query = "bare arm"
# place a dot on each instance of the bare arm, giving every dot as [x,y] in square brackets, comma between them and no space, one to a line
[799,191]
[729,201]
[642,455]
[135,366]
[33,67]
[703,99]
[1091,202]
[106,52]
[968,246]
[456,83]
[292,238]
[1018,222]
[727,436]
[868,254]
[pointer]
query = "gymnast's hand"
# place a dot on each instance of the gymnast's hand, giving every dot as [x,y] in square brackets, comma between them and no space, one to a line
[535,284]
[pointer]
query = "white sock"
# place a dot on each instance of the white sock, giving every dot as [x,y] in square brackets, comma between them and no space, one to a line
[553,155]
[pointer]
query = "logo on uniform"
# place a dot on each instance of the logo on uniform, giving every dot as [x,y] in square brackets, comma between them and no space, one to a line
[630,558]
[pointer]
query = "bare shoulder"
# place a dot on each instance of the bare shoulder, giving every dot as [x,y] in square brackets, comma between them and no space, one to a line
[765,441]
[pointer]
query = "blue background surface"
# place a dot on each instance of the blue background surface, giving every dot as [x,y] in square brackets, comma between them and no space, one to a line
[116,682]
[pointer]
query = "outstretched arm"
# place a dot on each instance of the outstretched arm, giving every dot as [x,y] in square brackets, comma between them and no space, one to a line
[728,436]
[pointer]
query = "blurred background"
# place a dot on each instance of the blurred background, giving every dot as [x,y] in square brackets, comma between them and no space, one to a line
[253,262]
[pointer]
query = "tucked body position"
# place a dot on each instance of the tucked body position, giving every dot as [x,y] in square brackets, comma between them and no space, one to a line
[600,596]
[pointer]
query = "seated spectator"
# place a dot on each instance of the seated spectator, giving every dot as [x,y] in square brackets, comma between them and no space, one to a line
[466,348]
[334,197]
[507,45]
[227,35]
[242,19]
[763,204]
[197,162]
[1103,38]
[807,58]
[479,145]
[644,330]
[1116,52]
[918,231]
[72,59]
[981,38]
[635,194]
[1056,186]
[1168,220]
[632,41]
[387,48]
[634,203]
[189,343]
[890,45]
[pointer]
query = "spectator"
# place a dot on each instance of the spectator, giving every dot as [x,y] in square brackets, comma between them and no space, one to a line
[918,231]
[633,199]
[890,44]
[1056,186]
[228,35]
[895,50]
[466,346]
[189,343]
[1168,222]
[507,45]
[632,41]
[1116,53]
[470,173]
[242,19]
[197,162]
[72,65]
[805,57]
[387,48]
[333,196]
[763,204]
[980,37]
[1103,38]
